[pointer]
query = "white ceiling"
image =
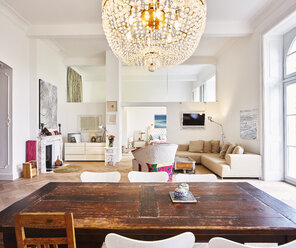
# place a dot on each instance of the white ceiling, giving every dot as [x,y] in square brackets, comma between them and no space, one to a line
[74,26]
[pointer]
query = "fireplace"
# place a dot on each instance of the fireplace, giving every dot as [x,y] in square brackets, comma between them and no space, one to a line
[49,149]
[48,158]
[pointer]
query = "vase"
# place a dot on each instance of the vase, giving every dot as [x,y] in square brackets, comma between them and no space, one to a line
[110,143]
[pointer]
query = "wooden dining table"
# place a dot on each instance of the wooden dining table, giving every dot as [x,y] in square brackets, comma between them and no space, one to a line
[234,210]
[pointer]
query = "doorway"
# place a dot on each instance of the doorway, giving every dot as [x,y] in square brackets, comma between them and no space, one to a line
[5,119]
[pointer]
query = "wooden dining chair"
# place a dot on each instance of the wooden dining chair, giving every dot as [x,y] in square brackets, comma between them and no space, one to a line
[184,240]
[222,243]
[100,177]
[148,177]
[45,221]
[188,178]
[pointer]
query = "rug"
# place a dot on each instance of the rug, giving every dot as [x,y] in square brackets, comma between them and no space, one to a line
[68,169]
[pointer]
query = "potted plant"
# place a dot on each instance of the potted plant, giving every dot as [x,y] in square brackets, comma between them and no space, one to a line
[110,140]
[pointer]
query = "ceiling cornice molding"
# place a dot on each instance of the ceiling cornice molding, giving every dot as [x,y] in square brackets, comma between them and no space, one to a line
[271,16]
[13,16]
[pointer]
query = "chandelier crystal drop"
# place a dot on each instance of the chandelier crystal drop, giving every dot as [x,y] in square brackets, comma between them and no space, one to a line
[153,34]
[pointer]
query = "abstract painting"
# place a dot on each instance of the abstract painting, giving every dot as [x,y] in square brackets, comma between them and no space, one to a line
[48,104]
[160,121]
[248,124]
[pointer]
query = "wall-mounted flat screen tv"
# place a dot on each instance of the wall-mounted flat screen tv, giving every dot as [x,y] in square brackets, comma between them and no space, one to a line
[193,119]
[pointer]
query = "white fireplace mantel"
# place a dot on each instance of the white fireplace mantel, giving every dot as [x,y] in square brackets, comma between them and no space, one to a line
[57,149]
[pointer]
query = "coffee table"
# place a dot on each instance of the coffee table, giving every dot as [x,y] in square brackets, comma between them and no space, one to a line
[186,164]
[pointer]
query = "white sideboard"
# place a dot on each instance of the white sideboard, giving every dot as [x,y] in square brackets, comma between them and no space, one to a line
[85,151]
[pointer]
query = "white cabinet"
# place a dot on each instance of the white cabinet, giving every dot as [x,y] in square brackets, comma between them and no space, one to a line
[85,151]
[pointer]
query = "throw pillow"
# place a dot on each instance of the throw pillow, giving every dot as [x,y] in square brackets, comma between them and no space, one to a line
[230,149]
[224,150]
[167,167]
[207,146]
[215,146]
[196,146]
[238,150]
[183,148]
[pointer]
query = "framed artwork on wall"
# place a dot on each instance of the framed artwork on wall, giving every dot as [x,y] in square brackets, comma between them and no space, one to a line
[111,119]
[160,121]
[48,105]
[112,106]
[248,124]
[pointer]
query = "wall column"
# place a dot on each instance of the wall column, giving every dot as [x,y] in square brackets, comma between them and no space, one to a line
[113,93]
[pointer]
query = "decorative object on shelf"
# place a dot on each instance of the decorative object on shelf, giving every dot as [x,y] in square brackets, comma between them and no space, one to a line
[104,133]
[48,102]
[74,137]
[248,124]
[111,106]
[93,137]
[110,140]
[185,186]
[58,162]
[41,127]
[160,121]
[45,132]
[59,128]
[210,118]
[154,34]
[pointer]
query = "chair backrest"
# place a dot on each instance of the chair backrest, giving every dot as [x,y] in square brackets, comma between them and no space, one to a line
[44,221]
[222,243]
[148,177]
[108,177]
[156,154]
[184,240]
[187,178]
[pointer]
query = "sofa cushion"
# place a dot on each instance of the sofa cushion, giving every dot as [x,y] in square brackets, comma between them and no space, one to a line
[223,151]
[227,159]
[167,167]
[183,147]
[230,149]
[207,147]
[215,146]
[214,163]
[196,146]
[195,156]
[238,150]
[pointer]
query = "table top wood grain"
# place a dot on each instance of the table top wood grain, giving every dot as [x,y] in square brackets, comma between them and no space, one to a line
[223,208]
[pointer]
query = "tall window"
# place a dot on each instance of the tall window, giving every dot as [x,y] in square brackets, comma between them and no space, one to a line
[291,59]
[290,106]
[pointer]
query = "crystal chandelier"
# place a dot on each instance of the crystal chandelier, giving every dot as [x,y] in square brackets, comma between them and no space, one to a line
[154,34]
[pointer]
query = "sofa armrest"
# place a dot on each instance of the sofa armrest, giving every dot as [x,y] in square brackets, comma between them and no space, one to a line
[183,147]
[250,163]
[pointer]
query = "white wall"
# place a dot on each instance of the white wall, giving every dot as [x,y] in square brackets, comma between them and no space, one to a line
[94,91]
[14,51]
[136,119]
[238,87]
[177,135]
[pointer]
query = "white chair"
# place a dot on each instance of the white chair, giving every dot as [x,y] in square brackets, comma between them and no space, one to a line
[222,243]
[184,240]
[186,178]
[148,177]
[103,177]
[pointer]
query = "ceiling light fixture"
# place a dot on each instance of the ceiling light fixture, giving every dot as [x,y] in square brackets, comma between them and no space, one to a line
[154,34]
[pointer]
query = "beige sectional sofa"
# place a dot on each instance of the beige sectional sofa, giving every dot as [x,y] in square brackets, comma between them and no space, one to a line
[245,165]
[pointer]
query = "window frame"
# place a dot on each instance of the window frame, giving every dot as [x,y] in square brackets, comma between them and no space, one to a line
[288,53]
